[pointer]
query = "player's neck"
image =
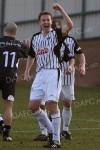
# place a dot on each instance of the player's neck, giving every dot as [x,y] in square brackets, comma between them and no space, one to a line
[45,32]
[10,35]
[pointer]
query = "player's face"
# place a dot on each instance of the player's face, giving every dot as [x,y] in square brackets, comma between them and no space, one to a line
[45,23]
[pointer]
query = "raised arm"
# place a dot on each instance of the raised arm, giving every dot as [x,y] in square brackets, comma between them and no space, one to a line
[69,24]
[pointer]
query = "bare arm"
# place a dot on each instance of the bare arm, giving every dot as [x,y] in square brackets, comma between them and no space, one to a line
[29,64]
[82,63]
[69,23]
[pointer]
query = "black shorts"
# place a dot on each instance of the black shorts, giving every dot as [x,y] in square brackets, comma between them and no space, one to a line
[7,86]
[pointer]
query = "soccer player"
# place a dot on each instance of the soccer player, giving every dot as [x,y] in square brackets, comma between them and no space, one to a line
[10,52]
[67,92]
[48,78]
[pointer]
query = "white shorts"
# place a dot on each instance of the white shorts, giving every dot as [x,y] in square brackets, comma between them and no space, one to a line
[47,84]
[67,92]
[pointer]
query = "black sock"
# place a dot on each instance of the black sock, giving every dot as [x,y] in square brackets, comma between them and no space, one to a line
[6,130]
[1,123]
[1,126]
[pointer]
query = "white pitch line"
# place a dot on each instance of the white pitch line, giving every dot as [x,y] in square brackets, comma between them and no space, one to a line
[80,129]
[24,131]
[91,120]
[77,129]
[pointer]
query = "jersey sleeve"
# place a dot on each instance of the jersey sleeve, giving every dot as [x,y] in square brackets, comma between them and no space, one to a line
[31,50]
[77,48]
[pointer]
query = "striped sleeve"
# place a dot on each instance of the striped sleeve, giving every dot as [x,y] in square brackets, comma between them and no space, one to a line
[77,48]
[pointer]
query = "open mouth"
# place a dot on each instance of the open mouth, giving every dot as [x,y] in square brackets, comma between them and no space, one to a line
[46,26]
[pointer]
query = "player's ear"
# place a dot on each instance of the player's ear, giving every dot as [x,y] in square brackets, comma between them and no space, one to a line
[39,23]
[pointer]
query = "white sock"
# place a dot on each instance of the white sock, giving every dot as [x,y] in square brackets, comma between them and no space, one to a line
[66,115]
[43,119]
[42,127]
[56,123]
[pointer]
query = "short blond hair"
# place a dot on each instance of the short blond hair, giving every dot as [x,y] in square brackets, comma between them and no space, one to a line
[11,28]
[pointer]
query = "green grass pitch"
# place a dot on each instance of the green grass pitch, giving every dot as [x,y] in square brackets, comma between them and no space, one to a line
[85,124]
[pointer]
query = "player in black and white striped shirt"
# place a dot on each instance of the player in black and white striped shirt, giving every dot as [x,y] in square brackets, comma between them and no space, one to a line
[67,91]
[68,77]
[48,78]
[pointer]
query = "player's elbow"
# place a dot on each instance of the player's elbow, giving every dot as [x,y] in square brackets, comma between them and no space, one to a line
[67,28]
[70,25]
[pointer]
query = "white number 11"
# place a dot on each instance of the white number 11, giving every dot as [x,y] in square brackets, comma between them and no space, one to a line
[6,53]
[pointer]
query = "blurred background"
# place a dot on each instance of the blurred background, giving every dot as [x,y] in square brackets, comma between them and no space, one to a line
[85,15]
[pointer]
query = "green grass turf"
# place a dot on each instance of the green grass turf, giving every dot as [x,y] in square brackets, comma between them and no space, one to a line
[85,124]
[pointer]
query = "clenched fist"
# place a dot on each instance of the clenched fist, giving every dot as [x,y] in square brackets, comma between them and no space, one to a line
[26,43]
[69,70]
[56,6]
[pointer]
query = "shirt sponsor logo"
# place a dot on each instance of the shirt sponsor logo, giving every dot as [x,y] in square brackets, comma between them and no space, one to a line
[42,51]
[4,44]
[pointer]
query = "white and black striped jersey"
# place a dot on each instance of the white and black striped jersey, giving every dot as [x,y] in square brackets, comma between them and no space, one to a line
[42,48]
[10,51]
[74,49]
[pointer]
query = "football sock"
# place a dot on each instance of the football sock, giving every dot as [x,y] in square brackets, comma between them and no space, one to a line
[42,127]
[56,122]
[1,124]
[6,130]
[43,119]
[66,116]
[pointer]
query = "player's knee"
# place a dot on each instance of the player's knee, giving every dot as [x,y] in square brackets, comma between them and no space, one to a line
[32,107]
[53,107]
[67,104]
